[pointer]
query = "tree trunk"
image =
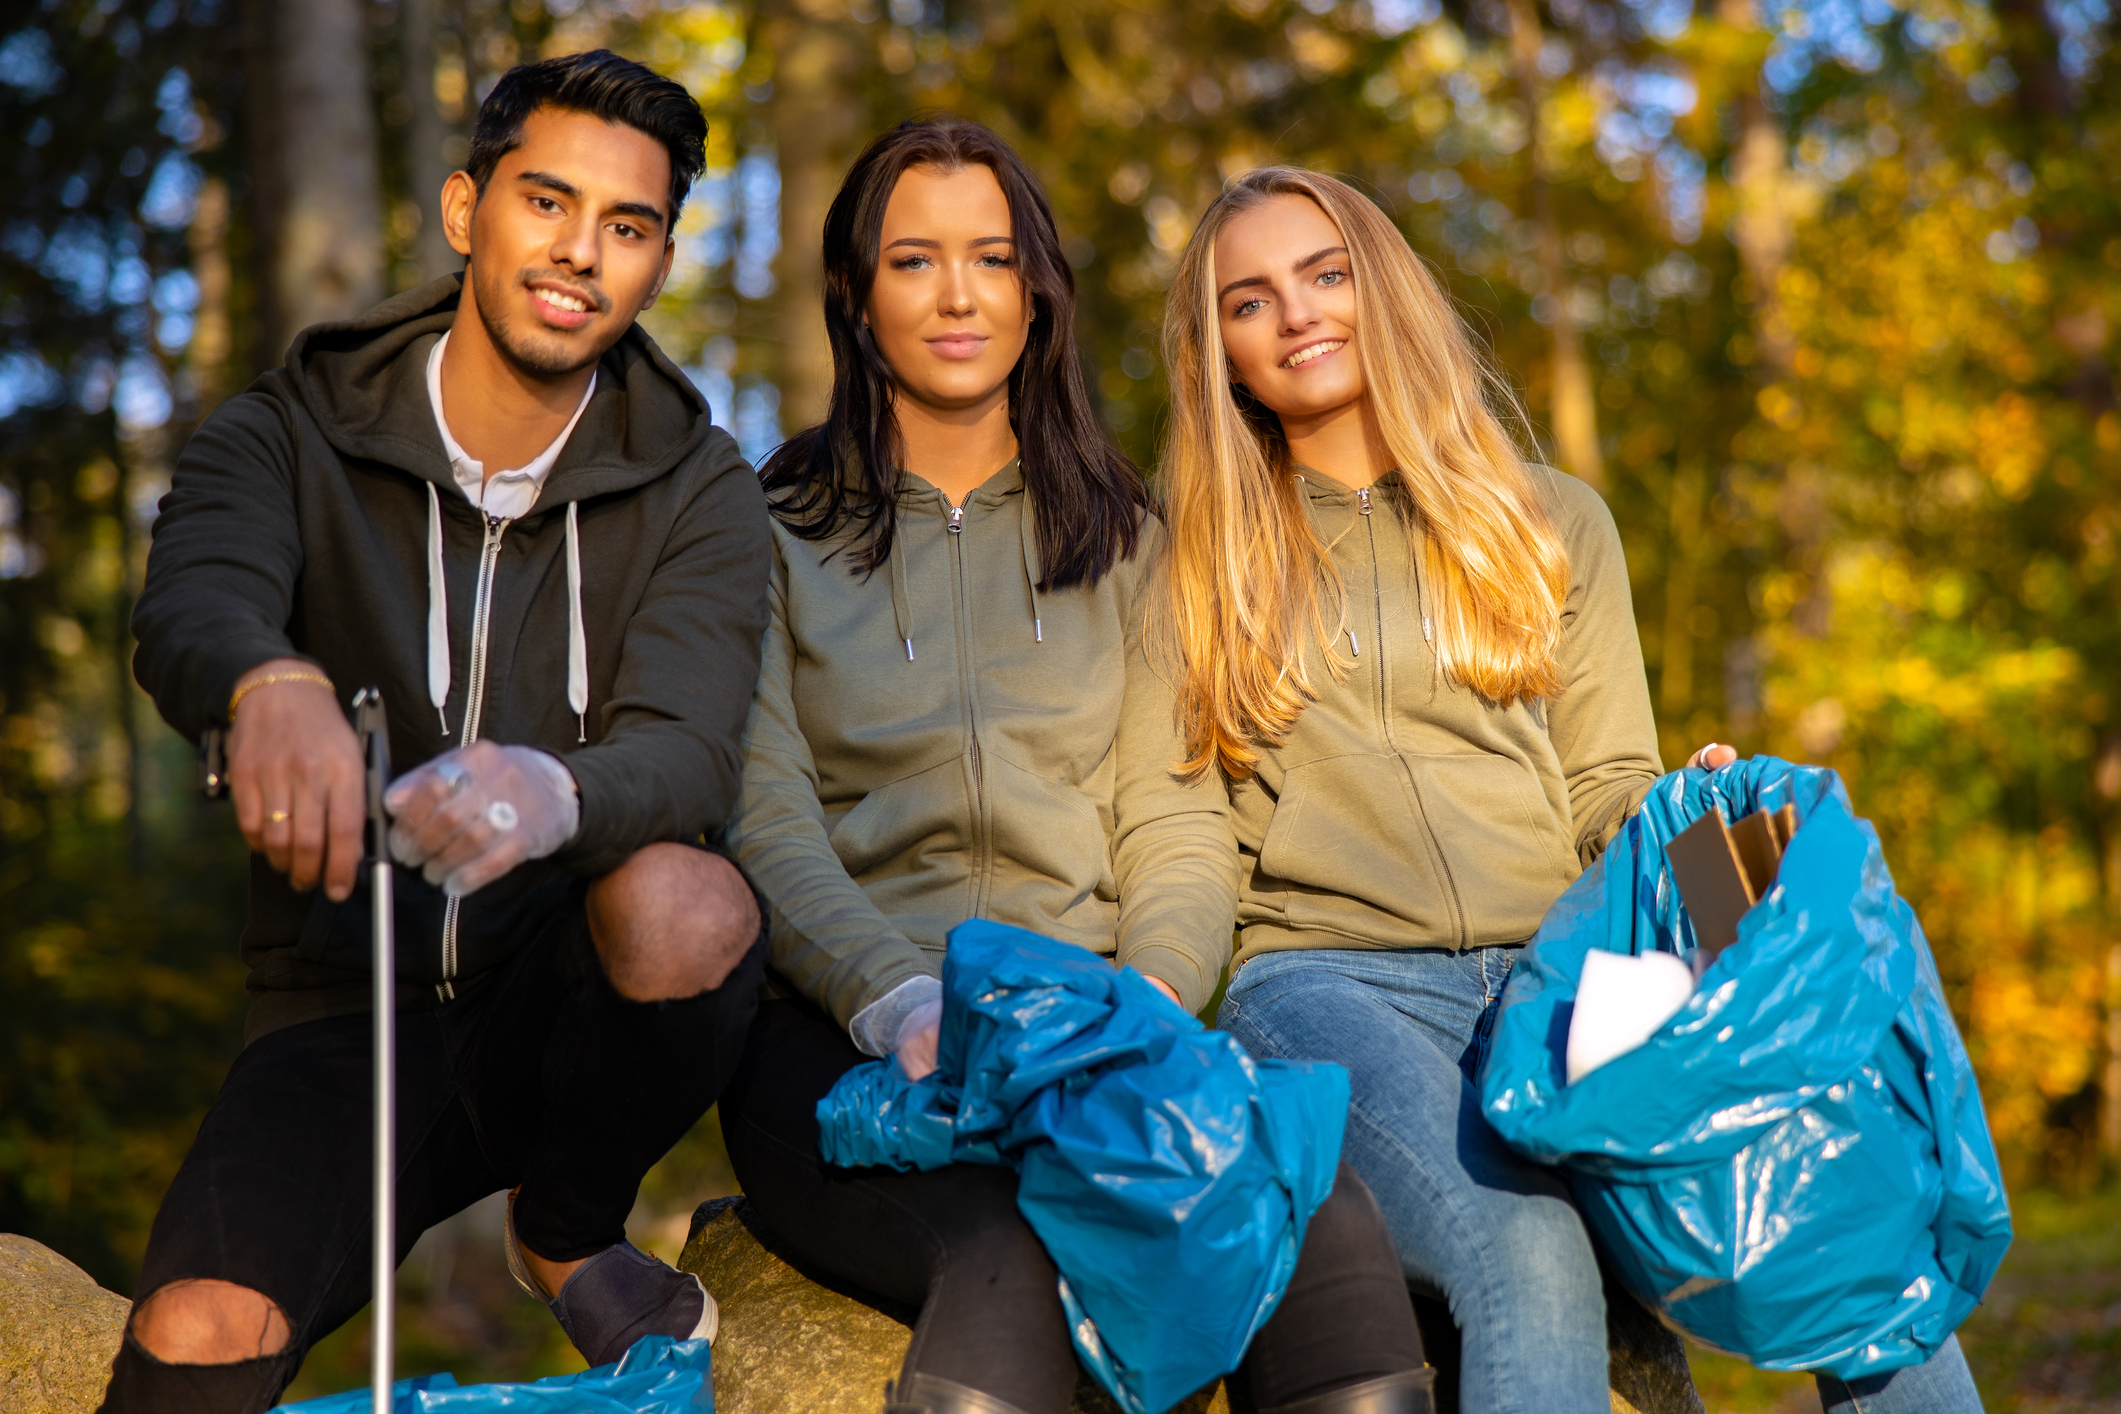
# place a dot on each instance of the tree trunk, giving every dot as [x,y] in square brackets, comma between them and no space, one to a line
[2035,55]
[122,651]
[314,134]
[1763,226]
[1675,673]
[2110,1081]
[2106,782]
[817,122]
[426,165]
[211,337]
[1574,409]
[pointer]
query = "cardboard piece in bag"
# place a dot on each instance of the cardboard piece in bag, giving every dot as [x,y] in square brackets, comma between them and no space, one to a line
[1722,870]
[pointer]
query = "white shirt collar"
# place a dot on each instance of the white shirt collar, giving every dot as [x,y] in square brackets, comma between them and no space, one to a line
[508,495]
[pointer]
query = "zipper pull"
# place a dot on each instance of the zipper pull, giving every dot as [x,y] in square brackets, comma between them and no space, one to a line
[957,520]
[1426,636]
[1353,644]
[1363,495]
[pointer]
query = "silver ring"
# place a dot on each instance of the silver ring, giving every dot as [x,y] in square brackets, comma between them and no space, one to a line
[453,775]
[501,815]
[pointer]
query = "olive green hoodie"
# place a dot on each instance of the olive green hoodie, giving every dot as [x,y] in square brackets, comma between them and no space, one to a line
[942,741]
[1406,812]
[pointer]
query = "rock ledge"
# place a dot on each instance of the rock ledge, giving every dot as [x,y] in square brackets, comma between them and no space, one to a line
[59,1331]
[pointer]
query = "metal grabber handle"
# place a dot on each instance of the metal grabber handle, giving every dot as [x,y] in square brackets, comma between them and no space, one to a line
[373,730]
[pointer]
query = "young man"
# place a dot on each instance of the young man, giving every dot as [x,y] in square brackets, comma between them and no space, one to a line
[494,498]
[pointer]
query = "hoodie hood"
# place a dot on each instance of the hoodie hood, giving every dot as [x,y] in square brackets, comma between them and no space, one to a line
[364,382]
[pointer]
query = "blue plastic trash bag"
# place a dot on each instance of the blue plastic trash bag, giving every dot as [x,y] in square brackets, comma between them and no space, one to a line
[1795,1168]
[657,1376]
[1169,1175]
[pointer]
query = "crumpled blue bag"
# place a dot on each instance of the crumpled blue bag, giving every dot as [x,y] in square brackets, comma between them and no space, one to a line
[657,1376]
[1796,1167]
[1169,1175]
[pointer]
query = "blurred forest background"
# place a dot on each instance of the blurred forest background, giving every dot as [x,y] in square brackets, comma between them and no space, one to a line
[1820,294]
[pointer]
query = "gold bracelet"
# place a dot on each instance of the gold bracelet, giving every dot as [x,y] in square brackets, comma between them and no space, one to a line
[235,698]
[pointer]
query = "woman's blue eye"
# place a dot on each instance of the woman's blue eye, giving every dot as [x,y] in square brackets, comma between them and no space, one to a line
[1332,277]
[1246,308]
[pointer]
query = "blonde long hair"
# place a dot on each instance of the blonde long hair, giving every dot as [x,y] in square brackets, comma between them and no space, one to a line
[1248,580]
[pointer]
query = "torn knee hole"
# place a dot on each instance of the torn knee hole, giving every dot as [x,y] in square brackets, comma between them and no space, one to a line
[206,1321]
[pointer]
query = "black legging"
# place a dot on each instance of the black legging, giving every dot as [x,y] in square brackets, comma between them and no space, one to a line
[952,1243]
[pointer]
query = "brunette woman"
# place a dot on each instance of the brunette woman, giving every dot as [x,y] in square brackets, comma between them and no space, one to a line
[1413,659]
[946,728]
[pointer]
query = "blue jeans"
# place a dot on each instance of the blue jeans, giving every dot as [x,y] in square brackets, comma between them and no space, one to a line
[1495,1235]
[1939,1385]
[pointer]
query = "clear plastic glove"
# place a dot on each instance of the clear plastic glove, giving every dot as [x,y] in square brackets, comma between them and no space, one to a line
[918,1036]
[469,816]
[1712,756]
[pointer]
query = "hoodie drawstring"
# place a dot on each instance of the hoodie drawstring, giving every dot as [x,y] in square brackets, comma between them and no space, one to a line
[902,604]
[437,613]
[901,607]
[438,621]
[577,639]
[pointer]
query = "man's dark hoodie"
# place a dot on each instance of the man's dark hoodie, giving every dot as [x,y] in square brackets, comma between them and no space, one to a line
[298,525]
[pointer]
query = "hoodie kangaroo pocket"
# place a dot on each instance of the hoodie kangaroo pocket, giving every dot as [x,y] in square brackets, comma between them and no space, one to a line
[911,825]
[1052,843]
[341,934]
[1507,859]
[319,939]
[1344,828]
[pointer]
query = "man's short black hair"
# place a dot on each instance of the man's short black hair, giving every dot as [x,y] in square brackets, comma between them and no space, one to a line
[606,86]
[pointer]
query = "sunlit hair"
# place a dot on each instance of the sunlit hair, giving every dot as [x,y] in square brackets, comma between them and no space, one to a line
[1250,583]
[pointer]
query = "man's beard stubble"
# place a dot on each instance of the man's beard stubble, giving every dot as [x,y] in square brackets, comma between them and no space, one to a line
[558,355]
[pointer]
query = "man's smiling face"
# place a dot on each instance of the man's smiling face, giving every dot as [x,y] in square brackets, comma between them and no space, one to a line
[569,241]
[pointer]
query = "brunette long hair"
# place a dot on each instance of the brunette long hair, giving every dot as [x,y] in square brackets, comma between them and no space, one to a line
[1250,584]
[842,476]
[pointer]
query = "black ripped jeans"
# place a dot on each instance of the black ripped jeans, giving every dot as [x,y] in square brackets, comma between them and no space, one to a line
[540,1074]
[952,1243]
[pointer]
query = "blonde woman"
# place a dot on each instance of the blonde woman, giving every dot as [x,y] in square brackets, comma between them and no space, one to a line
[1413,659]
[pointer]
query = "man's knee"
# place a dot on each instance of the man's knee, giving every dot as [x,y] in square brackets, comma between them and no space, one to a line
[209,1322]
[672,921]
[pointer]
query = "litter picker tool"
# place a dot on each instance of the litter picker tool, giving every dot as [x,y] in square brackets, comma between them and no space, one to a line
[374,732]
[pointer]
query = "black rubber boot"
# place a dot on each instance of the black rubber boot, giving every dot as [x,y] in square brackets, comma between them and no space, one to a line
[1411,1392]
[925,1394]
